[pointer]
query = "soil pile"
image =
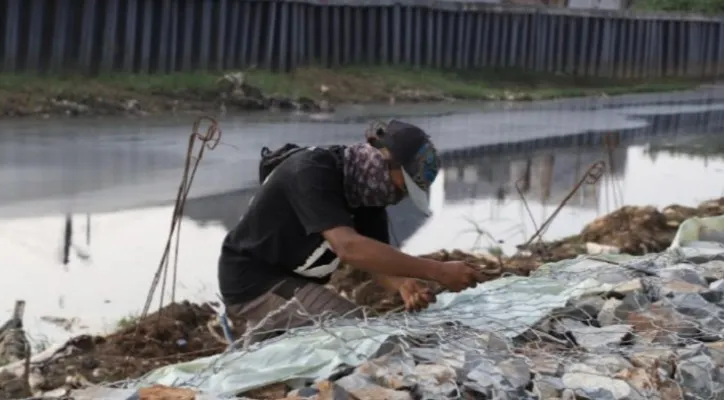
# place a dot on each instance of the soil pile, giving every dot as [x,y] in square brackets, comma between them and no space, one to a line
[176,333]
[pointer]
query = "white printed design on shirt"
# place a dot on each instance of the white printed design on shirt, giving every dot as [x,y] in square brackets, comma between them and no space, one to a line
[310,267]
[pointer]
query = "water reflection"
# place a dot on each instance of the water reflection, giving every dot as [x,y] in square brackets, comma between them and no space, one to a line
[482,207]
[84,272]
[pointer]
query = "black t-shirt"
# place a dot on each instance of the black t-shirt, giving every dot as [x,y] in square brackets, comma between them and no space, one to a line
[280,234]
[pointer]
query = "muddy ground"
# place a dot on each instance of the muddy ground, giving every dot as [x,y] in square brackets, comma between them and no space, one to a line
[182,332]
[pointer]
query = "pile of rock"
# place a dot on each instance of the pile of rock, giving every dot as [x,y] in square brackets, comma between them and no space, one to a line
[654,330]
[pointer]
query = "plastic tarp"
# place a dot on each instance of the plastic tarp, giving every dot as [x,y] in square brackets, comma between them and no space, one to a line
[700,233]
[507,306]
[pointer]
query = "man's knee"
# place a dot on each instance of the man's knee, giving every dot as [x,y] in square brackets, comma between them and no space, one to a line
[319,301]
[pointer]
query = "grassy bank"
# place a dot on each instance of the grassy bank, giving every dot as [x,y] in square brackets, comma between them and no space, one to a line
[31,94]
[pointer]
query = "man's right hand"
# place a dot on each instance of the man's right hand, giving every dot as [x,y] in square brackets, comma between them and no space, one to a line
[456,276]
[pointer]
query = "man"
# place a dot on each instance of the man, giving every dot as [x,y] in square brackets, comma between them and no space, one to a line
[320,207]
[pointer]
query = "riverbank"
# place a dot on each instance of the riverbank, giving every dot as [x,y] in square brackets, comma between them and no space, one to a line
[185,331]
[305,90]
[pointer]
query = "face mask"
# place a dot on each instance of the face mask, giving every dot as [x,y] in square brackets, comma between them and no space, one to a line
[367,180]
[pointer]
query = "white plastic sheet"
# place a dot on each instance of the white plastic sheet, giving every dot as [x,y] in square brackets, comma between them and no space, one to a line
[693,230]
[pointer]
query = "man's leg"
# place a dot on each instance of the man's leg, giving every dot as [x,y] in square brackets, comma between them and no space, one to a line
[275,311]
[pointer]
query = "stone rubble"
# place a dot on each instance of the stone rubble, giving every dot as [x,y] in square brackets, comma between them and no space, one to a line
[657,334]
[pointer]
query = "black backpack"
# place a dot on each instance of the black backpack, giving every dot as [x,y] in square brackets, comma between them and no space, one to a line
[271,159]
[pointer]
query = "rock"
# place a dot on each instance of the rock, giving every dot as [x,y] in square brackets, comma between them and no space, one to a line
[277,390]
[682,272]
[717,285]
[597,385]
[607,315]
[583,309]
[712,296]
[568,394]
[306,104]
[365,389]
[281,103]
[390,371]
[692,350]
[516,372]
[303,393]
[592,338]
[639,379]
[607,364]
[612,274]
[699,378]
[716,351]
[100,392]
[547,387]
[707,316]
[434,381]
[594,394]
[668,287]
[661,324]
[443,354]
[329,391]
[544,364]
[712,270]
[634,301]
[159,392]
[654,358]
[495,343]
[485,378]
[622,289]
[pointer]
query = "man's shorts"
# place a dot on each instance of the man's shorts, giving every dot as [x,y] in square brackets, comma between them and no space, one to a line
[280,313]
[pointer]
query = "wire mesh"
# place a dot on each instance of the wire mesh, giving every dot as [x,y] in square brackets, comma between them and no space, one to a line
[648,328]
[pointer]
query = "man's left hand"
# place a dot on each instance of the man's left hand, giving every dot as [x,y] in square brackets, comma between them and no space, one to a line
[416,295]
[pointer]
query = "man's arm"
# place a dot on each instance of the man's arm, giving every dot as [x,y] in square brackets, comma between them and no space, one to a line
[378,258]
[374,223]
[316,196]
[391,283]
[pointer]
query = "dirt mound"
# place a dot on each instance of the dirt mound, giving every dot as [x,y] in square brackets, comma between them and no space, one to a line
[176,333]
[634,230]
[176,330]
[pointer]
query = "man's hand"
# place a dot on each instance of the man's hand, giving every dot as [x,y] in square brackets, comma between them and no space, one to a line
[457,276]
[416,295]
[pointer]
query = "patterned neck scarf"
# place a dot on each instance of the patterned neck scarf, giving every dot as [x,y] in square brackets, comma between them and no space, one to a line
[367,180]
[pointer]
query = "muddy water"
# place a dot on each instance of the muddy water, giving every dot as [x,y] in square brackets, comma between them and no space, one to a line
[81,244]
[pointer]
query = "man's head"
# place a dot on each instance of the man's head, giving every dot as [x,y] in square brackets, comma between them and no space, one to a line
[411,157]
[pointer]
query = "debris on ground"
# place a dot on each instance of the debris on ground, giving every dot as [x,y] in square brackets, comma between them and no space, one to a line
[176,333]
[180,332]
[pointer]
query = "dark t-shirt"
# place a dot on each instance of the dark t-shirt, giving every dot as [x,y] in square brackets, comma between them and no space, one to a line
[280,234]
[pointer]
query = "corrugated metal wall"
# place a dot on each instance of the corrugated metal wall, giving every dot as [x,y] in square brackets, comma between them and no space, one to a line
[185,35]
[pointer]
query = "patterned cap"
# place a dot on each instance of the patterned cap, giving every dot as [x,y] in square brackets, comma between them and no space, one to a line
[410,146]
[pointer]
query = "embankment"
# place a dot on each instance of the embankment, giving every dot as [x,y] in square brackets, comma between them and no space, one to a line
[308,90]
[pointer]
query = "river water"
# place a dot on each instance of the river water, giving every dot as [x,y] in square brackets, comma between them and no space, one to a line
[86,205]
